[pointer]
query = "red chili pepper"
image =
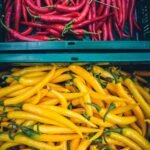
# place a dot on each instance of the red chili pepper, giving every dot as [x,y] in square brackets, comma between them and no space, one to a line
[100,24]
[51,2]
[38,3]
[8,16]
[17,14]
[27,31]
[47,2]
[118,30]
[114,3]
[42,32]
[64,9]
[101,8]
[119,3]
[51,18]
[131,12]
[54,32]
[93,16]
[72,14]
[82,32]
[123,14]
[42,37]
[105,32]
[24,11]
[90,17]
[83,14]
[86,22]
[110,33]
[33,24]
[17,35]
[72,2]
[7,4]
[57,27]
[36,8]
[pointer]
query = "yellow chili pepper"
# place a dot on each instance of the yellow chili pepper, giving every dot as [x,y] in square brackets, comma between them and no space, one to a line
[21,139]
[55,138]
[47,129]
[68,113]
[34,74]
[102,72]
[29,123]
[9,89]
[138,97]
[100,122]
[87,77]
[8,145]
[137,110]
[51,115]
[32,69]
[50,102]
[62,78]
[74,144]
[64,147]
[113,142]
[19,92]
[62,99]
[136,137]
[29,116]
[125,140]
[124,109]
[117,119]
[30,81]
[81,86]
[57,87]
[135,127]
[143,92]
[59,72]
[21,98]
[86,143]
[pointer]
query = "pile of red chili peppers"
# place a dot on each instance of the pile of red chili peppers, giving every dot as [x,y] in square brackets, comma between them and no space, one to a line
[43,20]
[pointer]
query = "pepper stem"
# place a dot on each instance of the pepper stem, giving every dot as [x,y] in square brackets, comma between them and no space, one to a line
[10,76]
[111,107]
[106,4]
[1,22]
[35,17]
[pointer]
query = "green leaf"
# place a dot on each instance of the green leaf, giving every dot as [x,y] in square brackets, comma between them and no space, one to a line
[90,136]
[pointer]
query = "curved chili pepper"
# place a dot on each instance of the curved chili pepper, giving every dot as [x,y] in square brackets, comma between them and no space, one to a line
[17,14]
[54,32]
[101,8]
[36,8]
[17,35]
[24,11]
[86,22]
[110,33]
[63,9]
[27,31]
[131,12]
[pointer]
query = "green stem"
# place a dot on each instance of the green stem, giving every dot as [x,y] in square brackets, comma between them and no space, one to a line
[94,105]
[86,116]
[11,76]
[111,107]
[1,22]
[35,17]
[106,4]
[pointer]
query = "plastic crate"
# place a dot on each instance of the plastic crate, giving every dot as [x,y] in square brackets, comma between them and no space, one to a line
[141,40]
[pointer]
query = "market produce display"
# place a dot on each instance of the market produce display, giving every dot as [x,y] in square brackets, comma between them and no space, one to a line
[44,20]
[73,107]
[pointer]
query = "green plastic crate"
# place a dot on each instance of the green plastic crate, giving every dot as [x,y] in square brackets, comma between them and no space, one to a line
[126,50]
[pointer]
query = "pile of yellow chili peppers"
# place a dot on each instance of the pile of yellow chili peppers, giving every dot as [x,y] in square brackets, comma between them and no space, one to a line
[73,107]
